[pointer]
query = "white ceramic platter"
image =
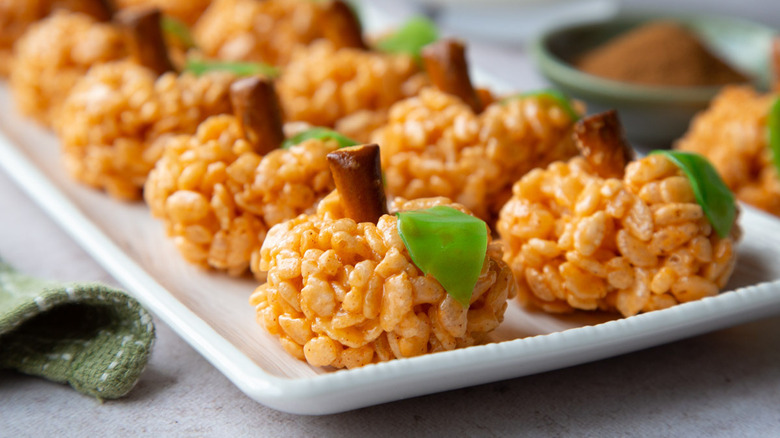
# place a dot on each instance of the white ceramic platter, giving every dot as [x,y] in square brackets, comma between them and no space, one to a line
[211,311]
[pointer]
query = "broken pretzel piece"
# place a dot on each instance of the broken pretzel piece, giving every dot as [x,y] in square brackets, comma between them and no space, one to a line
[357,174]
[256,106]
[145,39]
[603,144]
[342,27]
[445,62]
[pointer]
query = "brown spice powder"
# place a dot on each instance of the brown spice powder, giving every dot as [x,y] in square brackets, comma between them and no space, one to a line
[659,53]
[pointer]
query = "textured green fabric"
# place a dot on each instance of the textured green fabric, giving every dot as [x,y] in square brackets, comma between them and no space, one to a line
[93,337]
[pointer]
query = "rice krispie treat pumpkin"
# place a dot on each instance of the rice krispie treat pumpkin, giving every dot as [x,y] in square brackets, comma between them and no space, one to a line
[219,190]
[348,89]
[54,54]
[453,141]
[733,133]
[344,288]
[602,233]
[740,134]
[16,16]
[269,31]
[115,121]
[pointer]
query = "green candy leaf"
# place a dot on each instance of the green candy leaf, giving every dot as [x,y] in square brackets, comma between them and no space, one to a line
[556,96]
[178,29]
[199,67]
[410,38]
[448,245]
[711,192]
[319,133]
[773,126]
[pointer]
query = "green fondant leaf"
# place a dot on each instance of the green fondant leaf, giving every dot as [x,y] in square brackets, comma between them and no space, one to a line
[199,67]
[556,96]
[319,133]
[773,126]
[178,29]
[711,192]
[448,245]
[410,38]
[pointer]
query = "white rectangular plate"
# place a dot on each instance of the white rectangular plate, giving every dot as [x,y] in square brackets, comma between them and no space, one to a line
[211,311]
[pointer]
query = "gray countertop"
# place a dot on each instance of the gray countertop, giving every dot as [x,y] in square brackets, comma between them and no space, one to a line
[725,383]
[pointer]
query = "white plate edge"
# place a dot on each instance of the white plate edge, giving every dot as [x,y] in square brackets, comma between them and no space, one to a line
[379,383]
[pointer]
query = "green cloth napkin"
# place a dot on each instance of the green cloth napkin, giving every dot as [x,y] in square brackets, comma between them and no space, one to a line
[93,337]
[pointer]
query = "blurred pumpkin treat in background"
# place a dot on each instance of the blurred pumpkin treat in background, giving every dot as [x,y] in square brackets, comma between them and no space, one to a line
[17,15]
[740,134]
[270,31]
[115,120]
[54,54]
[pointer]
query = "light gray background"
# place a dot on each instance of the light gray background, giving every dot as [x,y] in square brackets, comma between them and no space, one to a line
[725,383]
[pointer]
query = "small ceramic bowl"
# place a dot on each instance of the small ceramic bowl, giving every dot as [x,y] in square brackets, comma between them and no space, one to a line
[653,116]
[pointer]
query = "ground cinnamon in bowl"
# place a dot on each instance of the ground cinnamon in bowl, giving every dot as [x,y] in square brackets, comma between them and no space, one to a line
[659,53]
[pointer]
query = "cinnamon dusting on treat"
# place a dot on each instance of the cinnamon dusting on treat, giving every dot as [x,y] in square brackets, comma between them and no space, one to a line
[659,53]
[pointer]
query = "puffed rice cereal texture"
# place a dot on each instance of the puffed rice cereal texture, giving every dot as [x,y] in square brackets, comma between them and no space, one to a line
[53,55]
[732,134]
[577,241]
[344,295]
[261,31]
[435,145]
[16,16]
[348,89]
[114,123]
[217,197]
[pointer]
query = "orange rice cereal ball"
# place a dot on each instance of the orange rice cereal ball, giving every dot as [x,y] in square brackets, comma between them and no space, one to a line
[54,54]
[436,145]
[732,134]
[188,11]
[269,31]
[577,238]
[218,197]
[346,294]
[17,15]
[451,140]
[114,123]
[218,192]
[346,88]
